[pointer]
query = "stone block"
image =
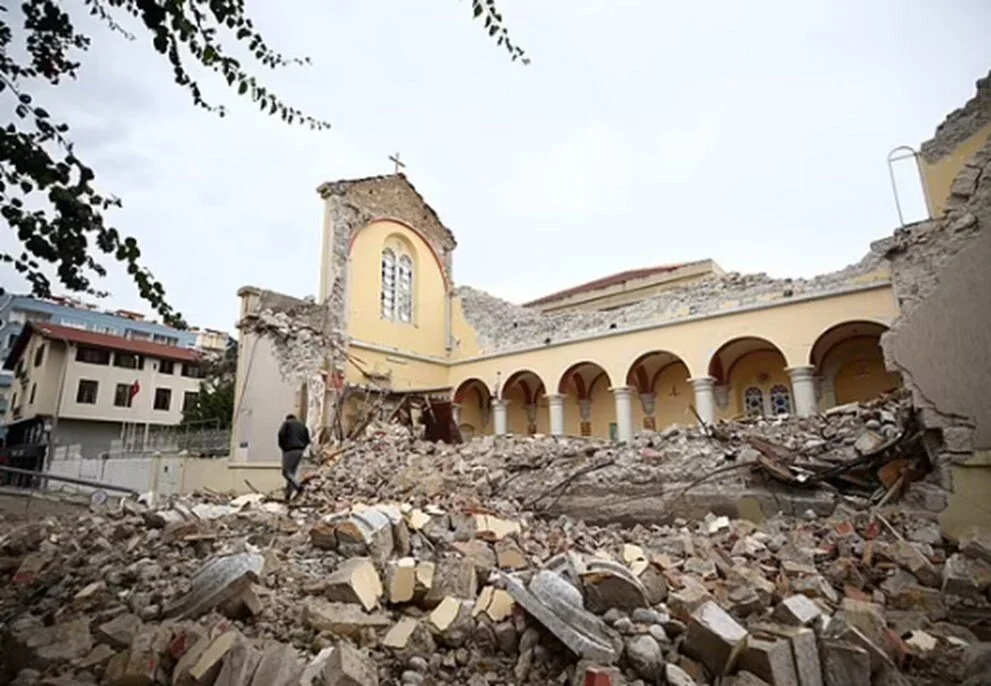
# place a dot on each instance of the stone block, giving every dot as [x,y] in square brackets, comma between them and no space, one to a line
[771,660]
[30,567]
[239,665]
[868,618]
[479,553]
[654,584]
[676,676]
[644,654]
[908,556]
[355,581]
[797,610]
[347,666]
[312,674]
[58,644]
[342,619]
[445,613]
[144,658]
[509,555]
[714,638]
[365,532]
[804,647]
[609,585]
[280,665]
[454,578]
[204,671]
[400,580]
[323,535]
[398,636]
[494,529]
[190,656]
[557,605]
[684,602]
[966,576]
[879,659]
[496,603]
[120,631]
[217,581]
[976,544]
[101,654]
[845,665]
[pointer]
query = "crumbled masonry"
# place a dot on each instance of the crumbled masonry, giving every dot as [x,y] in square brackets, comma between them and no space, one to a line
[408,562]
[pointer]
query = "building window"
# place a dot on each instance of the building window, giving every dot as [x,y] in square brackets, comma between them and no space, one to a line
[122,395]
[166,367]
[86,392]
[137,335]
[192,371]
[39,355]
[753,402]
[167,340]
[388,284]
[404,290]
[129,361]
[34,389]
[93,355]
[397,286]
[163,398]
[780,400]
[189,400]
[73,323]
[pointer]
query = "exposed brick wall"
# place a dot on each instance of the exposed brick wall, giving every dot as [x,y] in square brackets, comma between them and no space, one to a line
[961,123]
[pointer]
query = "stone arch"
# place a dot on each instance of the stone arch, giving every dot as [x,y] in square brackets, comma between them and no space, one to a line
[526,411]
[849,363]
[660,380]
[589,409]
[746,370]
[473,401]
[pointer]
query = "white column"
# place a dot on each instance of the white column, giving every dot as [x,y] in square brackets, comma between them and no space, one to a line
[624,413]
[803,390]
[555,404]
[705,399]
[499,413]
[456,413]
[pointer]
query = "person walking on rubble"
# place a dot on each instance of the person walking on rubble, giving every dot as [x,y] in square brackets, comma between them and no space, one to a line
[294,437]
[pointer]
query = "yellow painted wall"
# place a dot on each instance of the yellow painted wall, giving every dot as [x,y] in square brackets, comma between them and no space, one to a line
[856,367]
[473,419]
[425,335]
[673,393]
[938,176]
[407,372]
[516,419]
[793,328]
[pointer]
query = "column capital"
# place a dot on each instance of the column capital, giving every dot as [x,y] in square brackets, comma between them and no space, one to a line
[555,398]
[622,390]
[800,373]
[702,382]
[499,402]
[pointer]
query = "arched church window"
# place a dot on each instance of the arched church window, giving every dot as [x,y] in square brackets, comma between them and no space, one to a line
[404,289]
[753,402]
[780,400]
[388,296]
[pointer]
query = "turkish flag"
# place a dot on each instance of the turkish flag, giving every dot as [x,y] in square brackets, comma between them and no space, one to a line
[135,387]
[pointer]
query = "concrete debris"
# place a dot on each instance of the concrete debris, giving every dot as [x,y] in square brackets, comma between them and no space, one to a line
[412,563]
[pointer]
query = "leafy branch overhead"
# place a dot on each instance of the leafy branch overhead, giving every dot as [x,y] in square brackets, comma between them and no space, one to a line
[496,28]
[47,193]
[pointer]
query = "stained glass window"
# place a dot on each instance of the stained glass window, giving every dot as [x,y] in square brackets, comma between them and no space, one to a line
[753,402]
[780,400]
[388,284]
[404,295]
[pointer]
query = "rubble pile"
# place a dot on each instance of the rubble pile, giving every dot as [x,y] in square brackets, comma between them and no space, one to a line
[386,571]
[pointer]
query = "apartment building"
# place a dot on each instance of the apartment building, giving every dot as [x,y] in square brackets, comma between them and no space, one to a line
[82,388]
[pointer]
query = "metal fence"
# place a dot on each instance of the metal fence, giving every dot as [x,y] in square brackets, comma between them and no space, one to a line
[203,440]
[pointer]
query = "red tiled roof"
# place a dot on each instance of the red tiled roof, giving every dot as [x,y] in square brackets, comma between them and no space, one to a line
[607,281]
[104,340]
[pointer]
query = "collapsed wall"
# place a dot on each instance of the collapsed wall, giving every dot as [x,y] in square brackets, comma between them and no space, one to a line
[941,339]
[290,343]
[503,326]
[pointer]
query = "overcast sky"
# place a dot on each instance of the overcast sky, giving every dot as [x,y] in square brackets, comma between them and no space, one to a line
[643,132]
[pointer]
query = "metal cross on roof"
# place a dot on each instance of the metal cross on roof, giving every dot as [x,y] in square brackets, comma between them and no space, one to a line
[395,160]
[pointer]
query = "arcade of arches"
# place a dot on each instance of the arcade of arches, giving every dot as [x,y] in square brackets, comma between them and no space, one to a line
[747,376]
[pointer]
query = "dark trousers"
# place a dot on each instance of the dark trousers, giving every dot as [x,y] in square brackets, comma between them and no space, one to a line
[290,465]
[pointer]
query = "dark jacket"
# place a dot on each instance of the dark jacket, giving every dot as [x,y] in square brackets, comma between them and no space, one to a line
[293,435]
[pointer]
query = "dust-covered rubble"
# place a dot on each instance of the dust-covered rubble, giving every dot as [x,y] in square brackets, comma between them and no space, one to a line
[407,562]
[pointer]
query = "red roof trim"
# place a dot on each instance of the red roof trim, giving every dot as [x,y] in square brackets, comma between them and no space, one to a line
[606,281]
[103,340]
